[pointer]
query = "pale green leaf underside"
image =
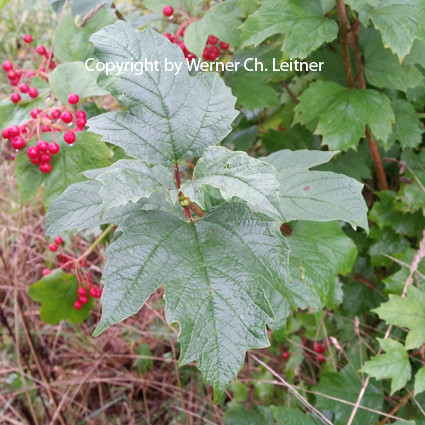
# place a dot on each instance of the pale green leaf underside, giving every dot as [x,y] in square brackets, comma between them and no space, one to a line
[130,180]
[400,23]
[169,116]
[393,365]
[343,113]
[221,20]
[317,195]
[236,175]
[211,270]
[406,312]
[420,381]
[302,21]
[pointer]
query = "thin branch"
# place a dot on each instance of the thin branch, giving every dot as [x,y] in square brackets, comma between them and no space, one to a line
[290,92]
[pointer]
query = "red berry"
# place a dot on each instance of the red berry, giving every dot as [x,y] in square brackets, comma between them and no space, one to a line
[190,57]
[27,38]
[286,355]
[78,305]
[24,129]
[168,11]
[69,137]
[169,36]
[53,247]
[32,152]
[55,114]
[99,292]
[35,112]
[35,160]
[319,348]
[83,299]
[33,92]
[81,290]
[5,133]
[12,75]
[41,50]
[59,241]
[7,66]
[18,142]
[183,47]
[45,167]
[212,39]
[211,53]
[73,99]
[81,122]
[42,146]
[15,97]
[45,128]
[81,114]
[53,148]
[14,131]
[45,272]
[93,292]
[223,45]
[45,158]
[24,88]
[66,117]
[14,83]
[320,358]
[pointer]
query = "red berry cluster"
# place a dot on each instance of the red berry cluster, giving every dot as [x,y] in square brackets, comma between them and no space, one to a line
[320,349]
[82,297]
[211,51]
[48,120]
[20,78]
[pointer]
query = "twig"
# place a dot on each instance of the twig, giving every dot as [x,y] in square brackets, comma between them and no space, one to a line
[290,92]
[90,14]
[297,395]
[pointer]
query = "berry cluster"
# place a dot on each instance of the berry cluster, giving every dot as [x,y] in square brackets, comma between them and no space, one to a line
[211,51]
[43,121]
[82,297]
[20,78]
[320,349]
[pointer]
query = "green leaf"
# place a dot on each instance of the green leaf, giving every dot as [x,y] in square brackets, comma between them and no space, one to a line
[346,385]
[288,416]
[221,20]
[319,252]
[144,363]
[408,128]
[383,70]
[73,77]
[85,153]
[303,22]
[343,113]
[251,87]
[236,175]
[78,208]
[406,312]
[162,126]
[420,381]
[130,180]
[393,365]
[71,43]
[57,293]
[258,415]
[317,195]
[400,23]
[11,114]
[211,269]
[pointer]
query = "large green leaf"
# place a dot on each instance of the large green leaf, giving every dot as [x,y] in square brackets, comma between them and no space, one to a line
[73,77]
[406,312]
[420,381]
[171,115]
[71,43]
[57,293]
[130,180]
[236,175]
[221,20]
[211,269]
[87,152]
[288,416]
[393,365]
[382,68]
[303,22]
[317,195]
[239,415]
[342,113]
[346,385]
[400,23]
